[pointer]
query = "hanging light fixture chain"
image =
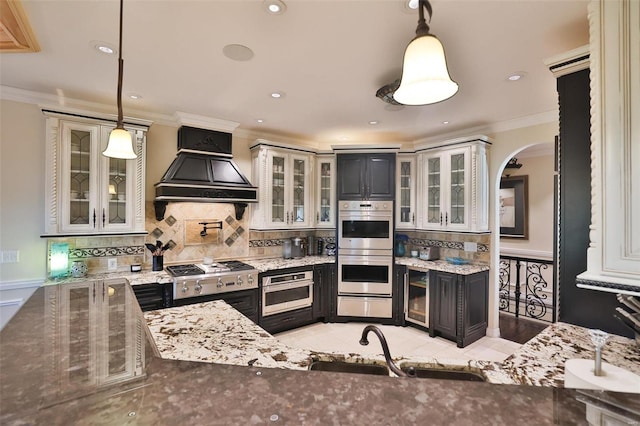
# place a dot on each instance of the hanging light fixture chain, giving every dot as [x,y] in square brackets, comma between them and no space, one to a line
[120,124]
[423,28]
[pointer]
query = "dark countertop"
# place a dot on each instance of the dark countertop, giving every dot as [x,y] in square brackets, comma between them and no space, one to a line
[74,355]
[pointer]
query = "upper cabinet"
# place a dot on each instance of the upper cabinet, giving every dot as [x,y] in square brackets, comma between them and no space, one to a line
[366,176]
[406,191]
[325,195]
[284,179]
[453,186]
[613,257]
[88,193]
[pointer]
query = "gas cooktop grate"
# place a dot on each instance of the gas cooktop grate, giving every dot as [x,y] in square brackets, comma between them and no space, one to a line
[182,270]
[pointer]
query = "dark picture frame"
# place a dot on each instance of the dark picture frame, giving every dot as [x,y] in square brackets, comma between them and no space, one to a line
[514,205]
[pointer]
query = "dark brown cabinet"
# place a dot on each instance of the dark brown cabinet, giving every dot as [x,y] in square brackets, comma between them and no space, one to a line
[458,306]
[324,277]
[366,176]
[153,295]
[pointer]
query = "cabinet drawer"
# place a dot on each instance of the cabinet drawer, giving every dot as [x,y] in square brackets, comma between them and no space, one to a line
[287,320]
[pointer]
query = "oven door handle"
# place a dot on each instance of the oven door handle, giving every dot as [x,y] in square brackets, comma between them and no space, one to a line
[359,260]
[270,288]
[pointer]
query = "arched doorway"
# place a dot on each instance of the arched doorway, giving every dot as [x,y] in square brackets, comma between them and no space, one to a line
[537,164]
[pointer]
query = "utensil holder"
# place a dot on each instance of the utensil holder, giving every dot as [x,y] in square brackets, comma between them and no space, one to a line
[157,264]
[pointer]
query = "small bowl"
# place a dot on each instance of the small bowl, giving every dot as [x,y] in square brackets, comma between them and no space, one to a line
[457,261]
[207,261]
[414,253]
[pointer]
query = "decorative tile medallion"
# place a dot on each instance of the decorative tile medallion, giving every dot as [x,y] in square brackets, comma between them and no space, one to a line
[170,220]
[157,233]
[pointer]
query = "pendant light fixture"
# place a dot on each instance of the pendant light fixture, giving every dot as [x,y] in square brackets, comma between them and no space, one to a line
[120,144]
[425,77]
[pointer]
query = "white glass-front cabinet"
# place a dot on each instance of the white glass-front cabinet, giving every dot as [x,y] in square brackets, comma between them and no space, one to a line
[406,191]
[89,193]
[453,187]
[284,181]
[325,197]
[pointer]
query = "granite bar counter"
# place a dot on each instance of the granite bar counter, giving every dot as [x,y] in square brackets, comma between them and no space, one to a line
[69,357]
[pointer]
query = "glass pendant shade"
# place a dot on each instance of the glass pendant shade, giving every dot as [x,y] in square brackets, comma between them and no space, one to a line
[425,77]
[120,145]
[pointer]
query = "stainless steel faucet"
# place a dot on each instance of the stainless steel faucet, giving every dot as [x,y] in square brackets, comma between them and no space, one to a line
[385,348]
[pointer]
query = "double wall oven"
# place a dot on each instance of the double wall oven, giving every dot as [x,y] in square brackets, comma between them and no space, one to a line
[365,259]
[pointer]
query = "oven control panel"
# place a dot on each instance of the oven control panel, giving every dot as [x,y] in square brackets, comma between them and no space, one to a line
[185,287]
[363,206]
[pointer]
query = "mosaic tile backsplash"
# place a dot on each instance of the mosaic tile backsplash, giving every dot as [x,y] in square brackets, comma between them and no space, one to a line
[183,226]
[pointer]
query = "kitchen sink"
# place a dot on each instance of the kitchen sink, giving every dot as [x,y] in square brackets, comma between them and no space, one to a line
[439,373]
[349,367]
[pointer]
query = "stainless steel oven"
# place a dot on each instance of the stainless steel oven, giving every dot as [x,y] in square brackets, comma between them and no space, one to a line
[365,283]
[365,272]
[288,292]
[365,225]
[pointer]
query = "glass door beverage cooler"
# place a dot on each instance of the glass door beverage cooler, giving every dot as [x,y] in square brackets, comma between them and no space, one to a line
[417,297]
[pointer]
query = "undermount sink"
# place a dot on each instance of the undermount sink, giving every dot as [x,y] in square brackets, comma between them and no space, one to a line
[349,367]
[439,373]
[381,370]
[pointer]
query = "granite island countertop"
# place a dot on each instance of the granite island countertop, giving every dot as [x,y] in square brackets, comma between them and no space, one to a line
[215,332]
[67,358]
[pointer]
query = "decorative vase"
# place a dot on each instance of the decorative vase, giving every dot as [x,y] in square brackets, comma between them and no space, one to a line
[400,248]
[157,263]
[78,269]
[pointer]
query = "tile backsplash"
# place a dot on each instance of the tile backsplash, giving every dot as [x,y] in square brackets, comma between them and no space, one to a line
[228,238]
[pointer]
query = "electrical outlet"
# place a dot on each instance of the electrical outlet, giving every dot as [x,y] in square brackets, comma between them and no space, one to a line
[112,264]
[470,246]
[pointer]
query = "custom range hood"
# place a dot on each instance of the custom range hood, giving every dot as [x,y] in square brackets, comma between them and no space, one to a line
[204,172]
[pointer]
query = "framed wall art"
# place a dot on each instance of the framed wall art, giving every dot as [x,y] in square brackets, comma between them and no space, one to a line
[514,199]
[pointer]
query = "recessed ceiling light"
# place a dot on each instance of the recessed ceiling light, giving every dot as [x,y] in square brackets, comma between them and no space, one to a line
[103,47]
[412,4]
[260,120]
[277,95]
[274,7]
[344,138]
[445,122]
[237,52]
[516,76]
[135,96]
[373,122]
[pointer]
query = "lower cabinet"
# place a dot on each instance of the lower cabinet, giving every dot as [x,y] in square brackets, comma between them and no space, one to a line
[287,320]
[244,301]
[458,306]
[153,296]
[324,277]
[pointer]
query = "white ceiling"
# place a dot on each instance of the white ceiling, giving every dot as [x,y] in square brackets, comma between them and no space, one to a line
[329,57]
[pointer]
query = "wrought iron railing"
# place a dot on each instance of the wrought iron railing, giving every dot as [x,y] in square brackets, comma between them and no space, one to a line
[529,292]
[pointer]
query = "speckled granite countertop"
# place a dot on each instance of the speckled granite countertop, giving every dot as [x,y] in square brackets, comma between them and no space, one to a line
[441,265]
[69,358]
[146,276]
[215,332]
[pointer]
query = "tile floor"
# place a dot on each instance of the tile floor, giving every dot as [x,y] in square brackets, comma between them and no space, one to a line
[402,341]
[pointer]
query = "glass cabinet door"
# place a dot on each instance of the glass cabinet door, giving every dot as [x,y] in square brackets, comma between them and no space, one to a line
[433,191]
[117,191]
[277,189]
[299,190]
[78,195]
[79,188]
[325,215]
[406,175]
[457,189]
